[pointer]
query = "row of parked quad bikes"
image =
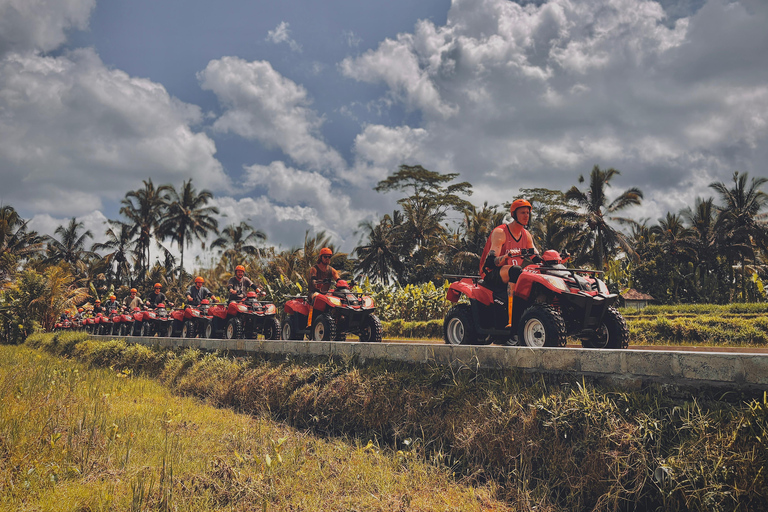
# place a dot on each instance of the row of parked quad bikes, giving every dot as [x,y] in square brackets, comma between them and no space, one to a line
[551,302]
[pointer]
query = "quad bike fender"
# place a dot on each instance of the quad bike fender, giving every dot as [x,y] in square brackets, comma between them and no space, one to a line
[177,314]
[471,290]
[218,310]
[530,280]
[296,306]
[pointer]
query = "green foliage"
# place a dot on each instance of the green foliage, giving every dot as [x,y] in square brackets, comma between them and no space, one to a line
[410,303]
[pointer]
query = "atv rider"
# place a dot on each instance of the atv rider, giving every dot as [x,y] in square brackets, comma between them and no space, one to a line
[506,241]
[238,285]
[157,297]
[112,305]
[133,300]
[97,307]
[197,292]
[64,315]
[319,278]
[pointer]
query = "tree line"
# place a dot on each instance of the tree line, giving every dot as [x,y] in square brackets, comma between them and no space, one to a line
[712,251]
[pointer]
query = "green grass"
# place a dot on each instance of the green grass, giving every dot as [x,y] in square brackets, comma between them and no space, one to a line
[79,439]
[540,443]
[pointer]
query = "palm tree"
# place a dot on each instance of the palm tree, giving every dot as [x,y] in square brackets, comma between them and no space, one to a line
[71,247]
[467,243]
[16,243]
[676,242]
[143,209]
[599,235]
[380,257]
[187,216]
[740,227]
[122,245]
[61,292]
[239,240]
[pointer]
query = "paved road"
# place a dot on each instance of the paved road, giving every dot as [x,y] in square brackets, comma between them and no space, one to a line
[678,348]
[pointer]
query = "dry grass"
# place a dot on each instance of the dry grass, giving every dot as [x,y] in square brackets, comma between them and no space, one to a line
[78,439]
[549,444]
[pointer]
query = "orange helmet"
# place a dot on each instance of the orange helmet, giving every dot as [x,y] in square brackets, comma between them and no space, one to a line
[133,290]
[158,285]
[66,311]
[325,251]
[112,297]
[80,310]
[199,279]
[97,301]
[239,267]
[518,203]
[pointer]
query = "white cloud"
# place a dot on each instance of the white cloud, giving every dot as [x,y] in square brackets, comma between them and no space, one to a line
[520,96]
[40,24]
[308,195]
[263,105]
[73,132]
[281,34]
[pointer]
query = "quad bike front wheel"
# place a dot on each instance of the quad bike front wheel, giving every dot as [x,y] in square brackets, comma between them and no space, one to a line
[541,326]
[324,328]
[234,329]
[458,327]
[613,332]
[271,329]
[289,330]
[188,329]
[371,330]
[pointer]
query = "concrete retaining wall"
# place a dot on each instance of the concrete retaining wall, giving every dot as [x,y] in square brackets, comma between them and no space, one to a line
[626,367]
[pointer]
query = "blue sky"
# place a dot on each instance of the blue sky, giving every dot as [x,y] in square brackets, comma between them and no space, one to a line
[291,112]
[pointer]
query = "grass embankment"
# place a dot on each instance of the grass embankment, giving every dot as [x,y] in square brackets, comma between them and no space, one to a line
[733,325]
[550,445]
[79,439]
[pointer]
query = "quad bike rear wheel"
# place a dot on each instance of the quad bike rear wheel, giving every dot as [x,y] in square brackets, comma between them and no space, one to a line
[541,326]
[169,329]
[371,330]
[271,329]
[146,330]
[208,330]
[458,327]
[613,333]
[323,328]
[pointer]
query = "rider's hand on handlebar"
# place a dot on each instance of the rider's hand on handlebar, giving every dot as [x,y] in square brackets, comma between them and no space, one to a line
[513,252]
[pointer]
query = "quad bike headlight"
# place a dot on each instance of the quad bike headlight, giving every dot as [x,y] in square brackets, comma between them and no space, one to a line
[367,302]
[271,309]
[194,312]
[335,301]
[556,282]
[242,309]
[601,287]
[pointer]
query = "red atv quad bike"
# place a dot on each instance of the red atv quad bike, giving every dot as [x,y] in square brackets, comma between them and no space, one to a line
[222,320]
[335,314]
[185,320]
[126,322]
[116,322]
[550,303]
[155,321]
[261,318]
[94,324]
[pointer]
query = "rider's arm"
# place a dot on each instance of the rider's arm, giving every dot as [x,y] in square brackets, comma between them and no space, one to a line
[497,242]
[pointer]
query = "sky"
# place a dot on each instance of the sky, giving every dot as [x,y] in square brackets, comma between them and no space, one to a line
[291,112]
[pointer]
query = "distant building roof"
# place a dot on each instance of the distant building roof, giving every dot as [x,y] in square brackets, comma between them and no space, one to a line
[633,294]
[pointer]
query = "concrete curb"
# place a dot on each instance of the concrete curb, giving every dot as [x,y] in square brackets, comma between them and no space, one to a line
[630,368]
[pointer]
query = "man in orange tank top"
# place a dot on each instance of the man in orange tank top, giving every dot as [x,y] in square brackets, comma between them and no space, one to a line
[501,260]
